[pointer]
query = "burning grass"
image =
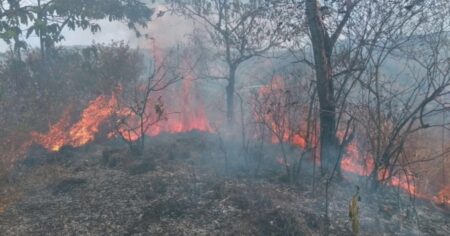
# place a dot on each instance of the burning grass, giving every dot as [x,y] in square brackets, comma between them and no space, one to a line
[443,197]
[64,133]
[103,109]
[186,183]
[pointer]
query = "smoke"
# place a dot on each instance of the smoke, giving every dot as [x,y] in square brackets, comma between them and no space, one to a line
[167,30]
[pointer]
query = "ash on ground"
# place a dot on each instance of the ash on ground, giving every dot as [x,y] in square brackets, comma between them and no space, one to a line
[186,184]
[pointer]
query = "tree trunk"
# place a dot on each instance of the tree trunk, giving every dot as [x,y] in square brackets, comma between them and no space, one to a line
[41,33]
[230,95]
[374,182]
[322,55]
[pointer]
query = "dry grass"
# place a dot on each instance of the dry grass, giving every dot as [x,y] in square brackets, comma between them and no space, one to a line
[8,197]
[10,194]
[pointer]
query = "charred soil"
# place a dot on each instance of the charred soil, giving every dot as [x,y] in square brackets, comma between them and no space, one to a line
[181,186]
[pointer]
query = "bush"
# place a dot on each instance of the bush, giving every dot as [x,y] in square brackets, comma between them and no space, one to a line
[35,92]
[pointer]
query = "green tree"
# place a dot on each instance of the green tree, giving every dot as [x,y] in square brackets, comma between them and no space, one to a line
[48,18]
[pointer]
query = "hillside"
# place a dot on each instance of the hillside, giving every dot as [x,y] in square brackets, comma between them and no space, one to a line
[181,186]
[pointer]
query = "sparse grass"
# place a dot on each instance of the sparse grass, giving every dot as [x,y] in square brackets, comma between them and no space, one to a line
[8,197]
[10,194]
[160,195]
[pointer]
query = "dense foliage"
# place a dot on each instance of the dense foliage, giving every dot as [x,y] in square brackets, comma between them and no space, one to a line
[48,18]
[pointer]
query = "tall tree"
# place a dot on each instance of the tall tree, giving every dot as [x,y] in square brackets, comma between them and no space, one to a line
[323,43]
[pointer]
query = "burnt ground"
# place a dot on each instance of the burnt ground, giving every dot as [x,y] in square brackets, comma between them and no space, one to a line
[182,185]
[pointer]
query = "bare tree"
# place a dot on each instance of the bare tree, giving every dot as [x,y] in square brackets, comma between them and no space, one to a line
[396,107]
[342,37]
[140,107]
[285,108]
[345,37]
[240,30]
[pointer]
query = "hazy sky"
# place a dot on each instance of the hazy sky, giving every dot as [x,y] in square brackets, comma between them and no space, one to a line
[166,30]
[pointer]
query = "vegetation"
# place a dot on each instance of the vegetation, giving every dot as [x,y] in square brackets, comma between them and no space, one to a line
[48,18]
[31,99]
[239,30]
[330,93]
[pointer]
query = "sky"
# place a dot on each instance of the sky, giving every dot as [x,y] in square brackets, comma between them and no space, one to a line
[166,30]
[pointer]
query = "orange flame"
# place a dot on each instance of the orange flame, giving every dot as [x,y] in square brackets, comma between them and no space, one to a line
[189,108]
[404,182]
[93,116]
[443,197]
[192,116]
[354,162]
[56,136]
[62,133]
[281,128]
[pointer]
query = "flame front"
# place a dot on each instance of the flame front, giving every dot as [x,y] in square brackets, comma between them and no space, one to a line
[275,114]
[62,133]
[189,114]
[188,109]
[443,197]
[354,160]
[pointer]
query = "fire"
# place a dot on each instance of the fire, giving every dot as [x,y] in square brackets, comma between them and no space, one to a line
[188,109]
[189,114]
[404,182]
[93,116]
[443,197]
[299,141]
[56,136]
[354,162]
[275,114]
[62,133]
[99,110]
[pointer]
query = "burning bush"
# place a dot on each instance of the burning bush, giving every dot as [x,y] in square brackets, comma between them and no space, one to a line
[38,93]
[124,100]
[284,110]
